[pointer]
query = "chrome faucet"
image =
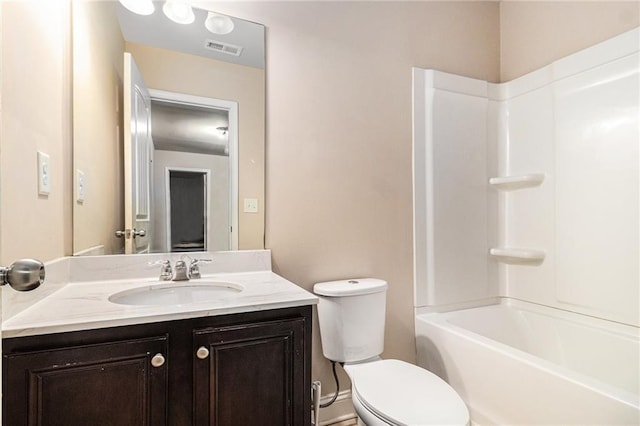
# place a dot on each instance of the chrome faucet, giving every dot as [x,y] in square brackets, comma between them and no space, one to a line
[182,273]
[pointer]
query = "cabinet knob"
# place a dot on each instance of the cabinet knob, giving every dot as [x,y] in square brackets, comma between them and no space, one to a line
[202,352]
[157,360]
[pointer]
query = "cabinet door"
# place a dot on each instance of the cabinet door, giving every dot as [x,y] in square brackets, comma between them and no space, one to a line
[250,374]
[104,384]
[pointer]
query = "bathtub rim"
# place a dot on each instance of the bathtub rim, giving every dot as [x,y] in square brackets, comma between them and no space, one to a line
[439,318]
[616,327]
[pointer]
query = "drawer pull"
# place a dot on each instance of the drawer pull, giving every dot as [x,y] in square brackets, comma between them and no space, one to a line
[157,360]
[202,352]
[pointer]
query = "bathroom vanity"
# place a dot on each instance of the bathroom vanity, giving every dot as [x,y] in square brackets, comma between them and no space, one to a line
[221,370]
[239,359]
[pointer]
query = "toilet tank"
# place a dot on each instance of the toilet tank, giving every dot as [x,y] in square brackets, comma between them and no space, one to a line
[351,315]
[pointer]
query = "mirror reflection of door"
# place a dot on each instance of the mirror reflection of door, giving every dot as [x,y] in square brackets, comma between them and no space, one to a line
[188,216]
[178,131]
[138,157]
[193,183]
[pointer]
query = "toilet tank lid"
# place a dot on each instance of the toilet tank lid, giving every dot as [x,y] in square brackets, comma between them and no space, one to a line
[352,287]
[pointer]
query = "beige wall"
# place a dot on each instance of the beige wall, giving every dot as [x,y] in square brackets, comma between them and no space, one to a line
[339,191]
[536,33]
[98,50]
[36,116]
[194,75]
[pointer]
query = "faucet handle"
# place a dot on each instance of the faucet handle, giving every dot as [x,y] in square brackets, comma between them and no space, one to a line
[194,270]
[196,261]
[166,274]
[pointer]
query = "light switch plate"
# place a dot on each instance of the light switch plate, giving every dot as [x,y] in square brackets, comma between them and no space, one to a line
[80,186]
[44,174]
[251,205]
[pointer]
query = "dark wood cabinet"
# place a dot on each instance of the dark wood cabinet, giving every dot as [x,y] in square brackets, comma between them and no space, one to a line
[267,357]
[240,369]
[77,385]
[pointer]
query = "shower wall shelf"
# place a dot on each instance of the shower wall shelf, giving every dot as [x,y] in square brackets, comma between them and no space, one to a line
[509,183]
[517,256]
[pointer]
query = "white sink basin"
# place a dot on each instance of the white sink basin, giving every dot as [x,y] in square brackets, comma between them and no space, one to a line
[176,293]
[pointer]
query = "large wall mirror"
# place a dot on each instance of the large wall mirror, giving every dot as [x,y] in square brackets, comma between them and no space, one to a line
[168,130]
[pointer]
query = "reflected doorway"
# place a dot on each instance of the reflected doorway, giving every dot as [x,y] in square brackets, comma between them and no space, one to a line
[195,171]
[187,204]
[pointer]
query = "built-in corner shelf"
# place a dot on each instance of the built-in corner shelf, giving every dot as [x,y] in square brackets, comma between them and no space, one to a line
[509,183]
[517,256]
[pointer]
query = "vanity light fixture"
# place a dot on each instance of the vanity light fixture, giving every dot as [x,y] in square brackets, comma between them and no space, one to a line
[141,7]
[218,24]
[179,11]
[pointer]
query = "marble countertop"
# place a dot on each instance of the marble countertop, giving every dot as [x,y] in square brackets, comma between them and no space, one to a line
[86,305]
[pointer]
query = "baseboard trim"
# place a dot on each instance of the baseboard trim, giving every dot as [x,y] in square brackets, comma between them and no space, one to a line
[340,411]
[346,420]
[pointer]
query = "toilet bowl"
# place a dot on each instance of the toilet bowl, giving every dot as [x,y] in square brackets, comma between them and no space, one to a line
[384,391]
[393,392]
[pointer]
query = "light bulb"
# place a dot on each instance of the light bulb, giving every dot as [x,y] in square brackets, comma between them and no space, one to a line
[218,24]
[140,7]
[178,11]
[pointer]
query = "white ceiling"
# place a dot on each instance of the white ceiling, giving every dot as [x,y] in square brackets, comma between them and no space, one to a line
[159,31]
[187,128]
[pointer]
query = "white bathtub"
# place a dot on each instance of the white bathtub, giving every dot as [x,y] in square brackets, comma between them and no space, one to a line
[518,363]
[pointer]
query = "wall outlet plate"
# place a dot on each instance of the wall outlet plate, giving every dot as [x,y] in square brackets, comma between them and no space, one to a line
[80,186]
[44,174]
[251,205]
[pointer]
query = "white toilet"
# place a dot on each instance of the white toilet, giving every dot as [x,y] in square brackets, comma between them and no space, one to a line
[384,392]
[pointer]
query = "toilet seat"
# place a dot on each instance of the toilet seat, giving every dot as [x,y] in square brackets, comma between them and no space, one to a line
[399,393]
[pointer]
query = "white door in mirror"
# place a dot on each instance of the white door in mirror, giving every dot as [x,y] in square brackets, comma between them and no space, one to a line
[138,158]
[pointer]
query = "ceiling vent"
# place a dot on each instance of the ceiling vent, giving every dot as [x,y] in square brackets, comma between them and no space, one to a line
[221,47]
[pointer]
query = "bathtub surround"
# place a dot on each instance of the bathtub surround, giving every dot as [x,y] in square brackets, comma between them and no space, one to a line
[536,199]
[561,148]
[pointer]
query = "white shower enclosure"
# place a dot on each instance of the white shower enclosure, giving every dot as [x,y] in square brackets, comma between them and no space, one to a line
[530,189]
[526,200]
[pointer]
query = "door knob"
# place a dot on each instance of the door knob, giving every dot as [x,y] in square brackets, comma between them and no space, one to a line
[130,233]
[23,275]
[157,360]
[202,352]
[138,232]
